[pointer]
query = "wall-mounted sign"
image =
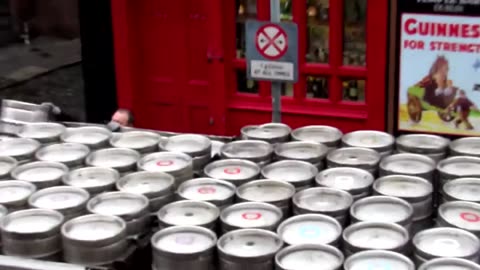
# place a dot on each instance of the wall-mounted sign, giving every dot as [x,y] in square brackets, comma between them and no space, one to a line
[439,66]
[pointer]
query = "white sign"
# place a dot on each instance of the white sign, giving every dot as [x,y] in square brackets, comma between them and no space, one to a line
[271,70]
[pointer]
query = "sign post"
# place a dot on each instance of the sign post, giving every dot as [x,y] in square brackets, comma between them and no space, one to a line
[276,86]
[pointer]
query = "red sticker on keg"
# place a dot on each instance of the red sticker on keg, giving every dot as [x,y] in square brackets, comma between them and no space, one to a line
[470,217]
[206,190]
[163,163]
[232,170]
[251,215]
[184,239]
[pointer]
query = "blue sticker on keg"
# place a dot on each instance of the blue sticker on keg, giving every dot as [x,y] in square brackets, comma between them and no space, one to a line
[309,231]
[379,266]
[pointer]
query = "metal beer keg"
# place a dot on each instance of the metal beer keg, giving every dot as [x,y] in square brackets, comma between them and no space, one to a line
[327,135]
[69,201]
[93,137]
[309,256]
[7,164]
[46,132]
[449,263]
[42,174]
[143,142]
[235,171]
[355,157]
[271,132]
[158,187]
[250,215]
[197,146]
[310,229]
[461,215]
[33,233]
[220,193]
[298,173]
[124,160]
[256,151]
[189,213]
[95,180]
[184,248]
[357,182]
[461,189]
[14,194]
[328,201]
[248,249]
[408,164]
[458,167]
[178,165]
[21,149]
[273,192]
[94,240]
[378,259]
[70,154]
[310,152]
[433,146]
[379,141]
[469,146]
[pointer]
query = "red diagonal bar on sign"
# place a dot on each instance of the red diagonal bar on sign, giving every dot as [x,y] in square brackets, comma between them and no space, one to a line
[271,41]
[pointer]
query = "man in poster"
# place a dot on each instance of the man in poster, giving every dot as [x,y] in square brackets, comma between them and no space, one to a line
[462,106]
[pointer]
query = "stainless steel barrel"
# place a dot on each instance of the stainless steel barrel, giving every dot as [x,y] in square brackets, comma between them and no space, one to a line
[310,229]
[256,151]
[408,164]
[197,146]
[248,249]
[357,182]
[95,180]
[158,187]
[33,233]
[123,160]
[141,141]
[7,164]
[21,149]
[235,171]
[132,208]
[14,111]
[219,192]
[445,242]
[310,152]
[93,137]
[328,201]
[71,154]
[379,141]
[69,201]
[433,146]
[327,135]
[300,174]
[250,215]
[382,209]
[449,263]
[44,132]
[461,189]
[94,240]
[272,132]
[461,215]
[469,146]
[309,256]
[189,213]
[178,165]
[42,174]
[378,259]
[355,157]
[457,167]
[274,192]
[184,248]
[14,194]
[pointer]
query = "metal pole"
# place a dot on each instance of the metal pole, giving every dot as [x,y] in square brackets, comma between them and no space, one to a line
[276,86]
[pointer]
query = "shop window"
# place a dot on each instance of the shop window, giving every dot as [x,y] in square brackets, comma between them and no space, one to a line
[354,90]
[317,31]
[245,85]
[287,89]
[354,32]
[317,87]
[286,10]
[246,9]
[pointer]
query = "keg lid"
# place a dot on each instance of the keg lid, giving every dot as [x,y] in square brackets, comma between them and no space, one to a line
[422,143]
[378,259]
[40,171]
[325,200]
[115,158]
[32,222]
[216,146]
[91,177]
[266,191]
[266,131]
[136,140]
[309,257]
[403,186]
[446,242]
[306,151]
[330,136]
[377,140]
[43,132]
[375,235]
[63,152]
[382,209]
[469,146]
[249,243]
[184,240]
[122,204]
[94,229]
[463,215]
[150,184]
[232,169]
[460,166]
[357,157]
[169,162]
[310,229]
[19,148]
[191,144]
[90,136]
[247,149]
[63,199]
[6,165]
[251,215]
[464,189]
[345,178]
[194,213]
[406,163]
[206,189]
[13,192]
[449,264]
[292,171]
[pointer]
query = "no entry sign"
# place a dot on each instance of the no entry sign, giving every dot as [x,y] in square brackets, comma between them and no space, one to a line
[272,51]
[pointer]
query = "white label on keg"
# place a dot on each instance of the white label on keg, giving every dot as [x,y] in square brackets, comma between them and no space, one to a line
[185,239]
[470,217]
[232,170]
[344,181]
[165,163]
[446,243]
[251,215]
[309,231]
[206,190]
